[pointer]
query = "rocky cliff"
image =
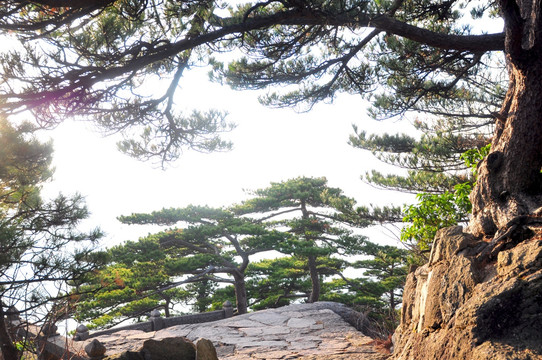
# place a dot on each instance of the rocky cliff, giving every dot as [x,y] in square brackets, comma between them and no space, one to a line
[474,300]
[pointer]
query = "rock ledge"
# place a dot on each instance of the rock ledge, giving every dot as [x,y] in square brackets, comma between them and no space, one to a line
[464,305]
[301,331]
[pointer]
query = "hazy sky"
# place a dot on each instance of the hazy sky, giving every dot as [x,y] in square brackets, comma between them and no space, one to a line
[269,145]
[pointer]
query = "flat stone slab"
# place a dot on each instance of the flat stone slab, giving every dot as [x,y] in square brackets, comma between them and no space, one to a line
[243,323]
[301,322]
[269,317]
[301,331]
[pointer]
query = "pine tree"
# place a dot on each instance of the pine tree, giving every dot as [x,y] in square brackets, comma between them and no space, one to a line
[308,209]
[277,282]
[40,249]
[135,281]
[210,244]
[425,58]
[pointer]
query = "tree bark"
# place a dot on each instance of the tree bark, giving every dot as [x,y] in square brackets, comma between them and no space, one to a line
[166,308]
[315,279]
[240,293]
[509,180]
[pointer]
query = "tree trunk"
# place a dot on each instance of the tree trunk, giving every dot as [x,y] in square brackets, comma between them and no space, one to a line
[166,308]
[240,292]
[313,270]
[315,279]
[9,351]
[509,181]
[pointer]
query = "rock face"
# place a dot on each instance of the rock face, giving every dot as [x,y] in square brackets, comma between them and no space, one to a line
[95,349]
[205,350]
[178,348]
[318,331]
[467,303]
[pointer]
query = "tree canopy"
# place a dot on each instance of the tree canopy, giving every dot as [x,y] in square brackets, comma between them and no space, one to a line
[95,60]
[134,282]
[214,242]
[308,209]
[41,252]
[100,58]
[295,225]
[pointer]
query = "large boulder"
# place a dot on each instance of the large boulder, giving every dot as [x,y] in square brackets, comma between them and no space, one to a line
[174,348]
[95,349]
[468,303]
[205,350]
[169,349]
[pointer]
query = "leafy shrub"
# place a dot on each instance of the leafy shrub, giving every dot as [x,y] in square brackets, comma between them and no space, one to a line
[436,211]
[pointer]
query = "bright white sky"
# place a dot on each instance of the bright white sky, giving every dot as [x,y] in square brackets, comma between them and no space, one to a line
[269,145]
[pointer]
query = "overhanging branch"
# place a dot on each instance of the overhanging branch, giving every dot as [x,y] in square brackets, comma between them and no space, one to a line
[225,27]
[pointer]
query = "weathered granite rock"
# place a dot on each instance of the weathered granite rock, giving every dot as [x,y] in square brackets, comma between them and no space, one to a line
[126,355]
[178,348]
[95,349]
[300,331]
[169,349]
[465,306]
[205,350]
[81,333]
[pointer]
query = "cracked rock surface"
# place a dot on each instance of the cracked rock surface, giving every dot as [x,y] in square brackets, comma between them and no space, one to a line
[301,331]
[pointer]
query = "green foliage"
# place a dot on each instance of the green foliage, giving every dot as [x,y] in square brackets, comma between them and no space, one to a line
[305,52]
[378,292]
[27,349]
[144,250]
[434,161]
[200,294]
[204,129]
[386,264]
[436,164]
[433,212]
[303,219]
[134,282]
[96,62]
[40,246]
[436,211]
[293,193]
[208,244]
[309,210]
[277,282]
[33,231]
[472,157]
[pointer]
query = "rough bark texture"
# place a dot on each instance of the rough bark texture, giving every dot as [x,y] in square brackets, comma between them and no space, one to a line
[240,293]
[477,299]
[509,182]
[469,304]
[315,279]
